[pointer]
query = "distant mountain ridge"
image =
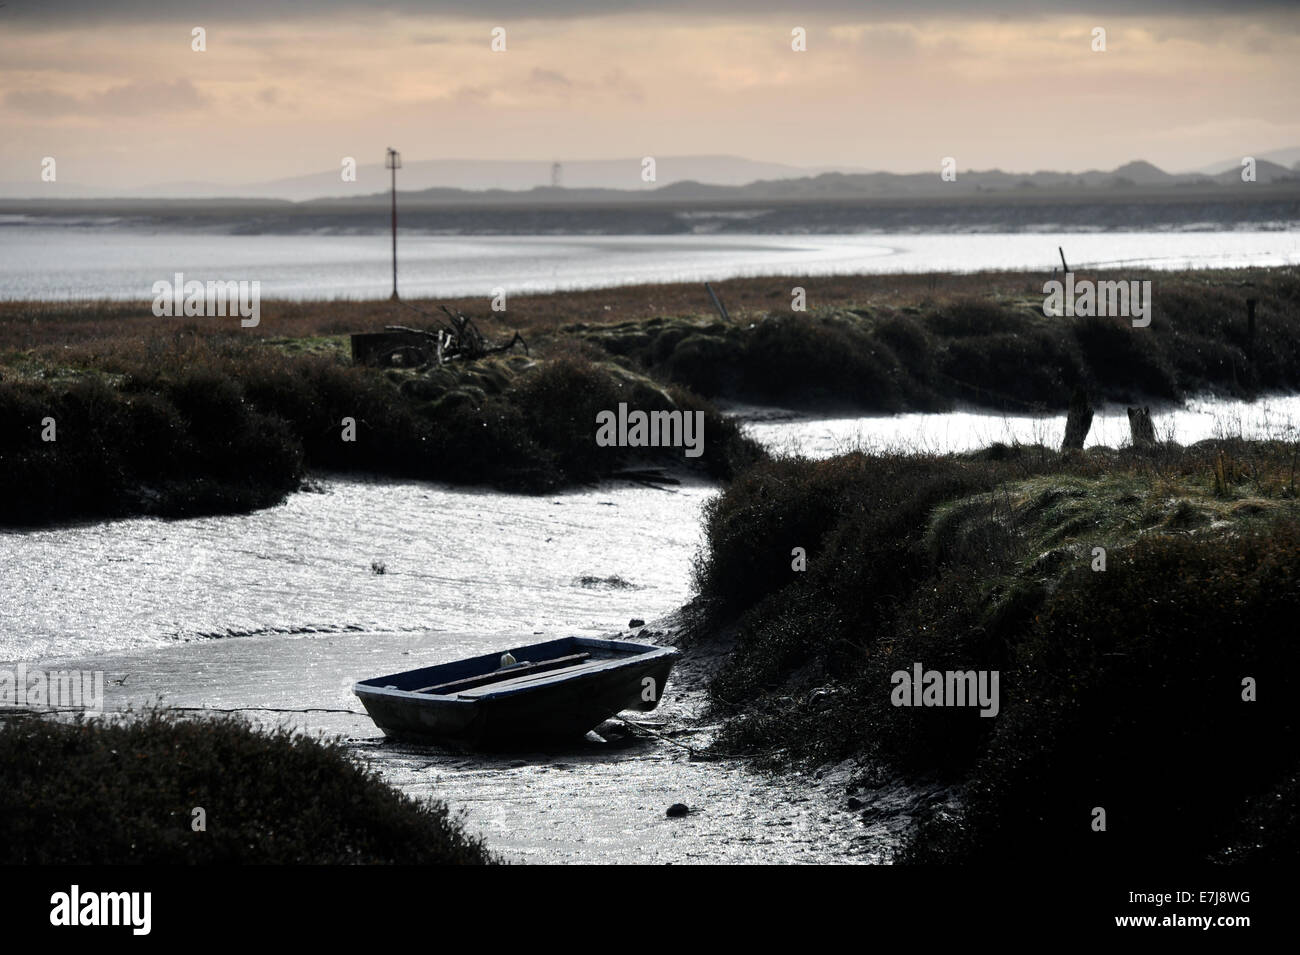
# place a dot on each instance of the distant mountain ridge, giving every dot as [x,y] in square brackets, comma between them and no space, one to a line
[680,178]
[1137,174]
[464,174]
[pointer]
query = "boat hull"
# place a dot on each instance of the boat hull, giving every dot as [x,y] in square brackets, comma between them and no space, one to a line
[550,706]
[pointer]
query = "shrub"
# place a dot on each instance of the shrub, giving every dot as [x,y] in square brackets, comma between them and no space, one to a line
[94,792]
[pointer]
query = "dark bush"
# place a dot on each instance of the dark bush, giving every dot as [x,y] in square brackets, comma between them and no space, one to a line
[100,793]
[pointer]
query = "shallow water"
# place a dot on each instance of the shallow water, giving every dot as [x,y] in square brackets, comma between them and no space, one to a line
[454,559]
[71,262]
[789,432]
[282,608]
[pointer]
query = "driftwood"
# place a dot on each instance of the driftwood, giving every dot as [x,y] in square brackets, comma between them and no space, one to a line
[1077,422]
[1141,429]
[457,337]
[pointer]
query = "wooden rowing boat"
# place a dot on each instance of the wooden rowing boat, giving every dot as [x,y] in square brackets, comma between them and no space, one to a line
[554,689]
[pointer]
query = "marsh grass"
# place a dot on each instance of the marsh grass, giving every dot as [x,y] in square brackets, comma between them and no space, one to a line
[193,424]
[882,342]
[877,352]
[1119,688]
[182,416]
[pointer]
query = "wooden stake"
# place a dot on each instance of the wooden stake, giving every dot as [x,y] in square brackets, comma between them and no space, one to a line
[1077,422]
[717,302]
[1142,431]
[1250,330]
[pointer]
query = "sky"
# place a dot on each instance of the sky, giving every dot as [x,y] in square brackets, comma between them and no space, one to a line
[116,94]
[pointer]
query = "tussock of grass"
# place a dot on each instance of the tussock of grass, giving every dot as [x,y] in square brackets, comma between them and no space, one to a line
[1119,689]
[92,792]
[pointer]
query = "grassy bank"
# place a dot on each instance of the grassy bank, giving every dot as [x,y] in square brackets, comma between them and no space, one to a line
[1119,688]
[192,424]
[874,342]
[99,793]
[989,346]
[189,416]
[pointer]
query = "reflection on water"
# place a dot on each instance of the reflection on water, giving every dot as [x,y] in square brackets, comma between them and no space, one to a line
[787,432]
[454,559]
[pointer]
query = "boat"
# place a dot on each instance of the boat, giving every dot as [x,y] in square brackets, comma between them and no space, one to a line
[554,689]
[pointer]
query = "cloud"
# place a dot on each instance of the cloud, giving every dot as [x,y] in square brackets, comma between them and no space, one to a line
[546,87]
[879,42]
[42,102]
[888,90]
[69,13]
[470,95]
[128,99]
[146,97]
[550,80]
[618,83]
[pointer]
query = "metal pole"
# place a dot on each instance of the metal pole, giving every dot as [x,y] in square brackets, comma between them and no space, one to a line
[394,230]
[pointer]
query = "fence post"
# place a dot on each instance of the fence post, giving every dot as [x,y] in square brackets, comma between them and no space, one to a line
[1250,330]
[1142,431]
[1077,422]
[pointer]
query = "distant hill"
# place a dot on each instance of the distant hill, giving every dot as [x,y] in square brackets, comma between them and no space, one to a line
[1143,174]
[831,186]
[678,179]
[452,174]
[1134,196]
[1290,158]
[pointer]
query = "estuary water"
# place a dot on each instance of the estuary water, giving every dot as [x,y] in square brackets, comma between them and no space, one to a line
[81,261]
